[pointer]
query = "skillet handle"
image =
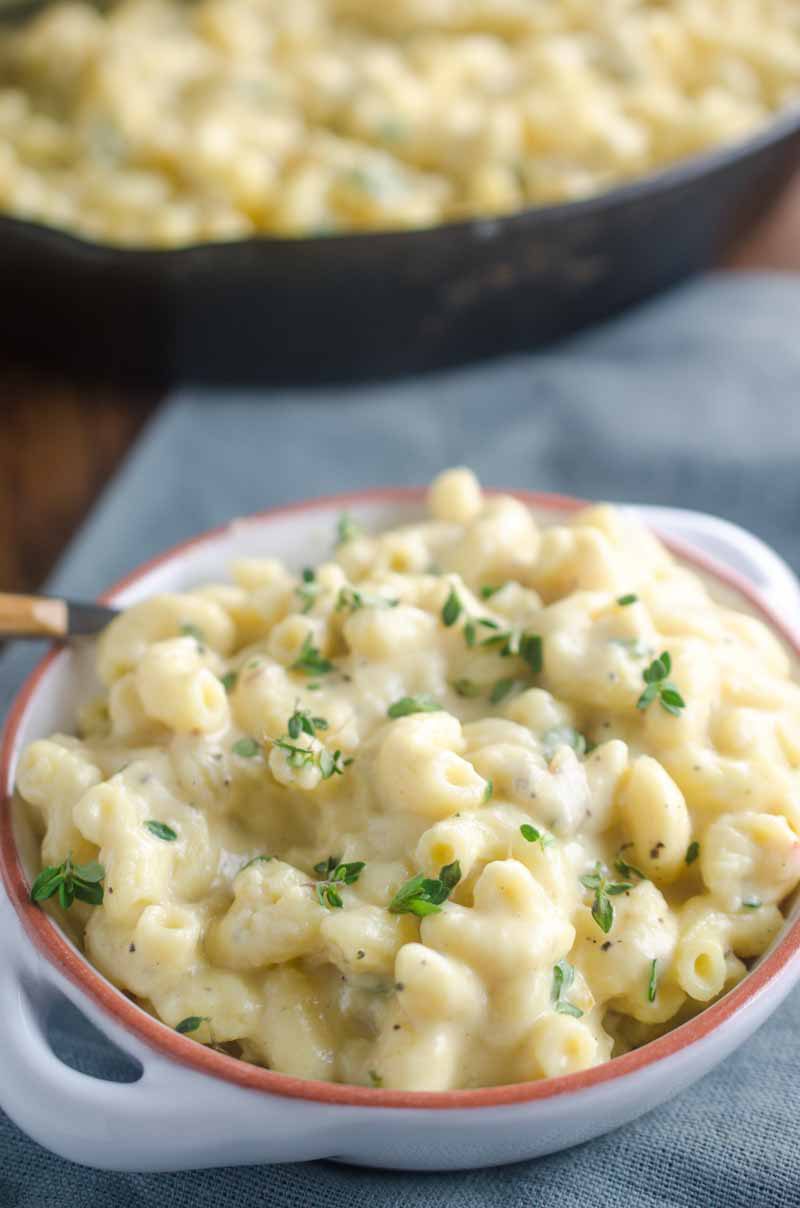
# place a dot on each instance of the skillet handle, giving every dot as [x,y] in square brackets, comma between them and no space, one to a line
[172,1118]
[736,549]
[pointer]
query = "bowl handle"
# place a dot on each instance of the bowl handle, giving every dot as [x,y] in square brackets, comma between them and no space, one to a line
[738,550]
[172,1118]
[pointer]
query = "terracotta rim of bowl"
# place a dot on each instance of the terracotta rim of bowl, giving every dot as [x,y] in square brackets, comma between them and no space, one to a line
[51,942]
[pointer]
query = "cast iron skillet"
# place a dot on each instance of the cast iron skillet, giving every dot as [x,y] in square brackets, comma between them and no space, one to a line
[377,304]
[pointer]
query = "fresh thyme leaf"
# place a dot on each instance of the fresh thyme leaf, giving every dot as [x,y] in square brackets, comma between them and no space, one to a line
[568,1008]
[190,1024]
[466,687]
[308,590]
[331,764]
[70,881]
[423,703]
[452,608]
[422,895]
[604,890]
[301,722]
[536,836]
[505,639]
[624,601]
[658,687]
[332,873]
[692,852]
[229,679]
[625,869]
[487,591]
[530,649]
[500,691]
[470,633]
[347,529]
[246,747]
[256,860]
[652,983]
[672,701]
[603,913]
[161,830]
[193,631]
[752,903]
[310,661]
[488,792]
[563,977]
[349,598]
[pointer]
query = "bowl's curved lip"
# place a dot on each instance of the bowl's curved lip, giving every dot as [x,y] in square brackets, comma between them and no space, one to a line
[683,171]
[53,945]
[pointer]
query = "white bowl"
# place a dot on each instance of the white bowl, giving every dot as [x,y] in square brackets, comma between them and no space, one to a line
[231,1112]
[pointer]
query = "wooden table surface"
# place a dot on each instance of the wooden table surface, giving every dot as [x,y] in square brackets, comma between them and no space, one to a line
[62,442]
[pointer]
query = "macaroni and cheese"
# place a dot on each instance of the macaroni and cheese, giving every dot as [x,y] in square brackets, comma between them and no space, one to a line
[473,802]
[162,122]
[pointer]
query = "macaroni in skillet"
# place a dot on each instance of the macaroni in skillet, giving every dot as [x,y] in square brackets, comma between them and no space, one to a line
[474,802]
[162,122]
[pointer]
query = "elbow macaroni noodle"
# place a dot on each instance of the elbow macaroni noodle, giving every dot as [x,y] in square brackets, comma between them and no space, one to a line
[273,761]
[165,123]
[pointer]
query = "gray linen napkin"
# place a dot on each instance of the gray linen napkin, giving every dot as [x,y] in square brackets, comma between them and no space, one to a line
[691,400]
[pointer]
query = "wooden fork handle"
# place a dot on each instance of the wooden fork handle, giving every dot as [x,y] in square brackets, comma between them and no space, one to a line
[33,617]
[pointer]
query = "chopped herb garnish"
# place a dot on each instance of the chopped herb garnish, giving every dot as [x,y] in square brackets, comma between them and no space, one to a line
[511,643]
[536,836]
[310,661]
[190,1024]
[563,736]
[604,890]
[752,903]
[500,690]
[334,874]
[470,633]
[466,687]
[488,792]
[350,599]
[530,649]
[625,869]
[624,601]
[423,703]
[161,830]
[301,722]
[193,631]
[451,609]
[692,852]
[229,679]
[659,687]
[653,981]
[422,895]
[347,529]
[487,591]
[329,764]
[563,977]
[375,1079]
[256,860]
[308,589]
[70,881]
[246,747]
